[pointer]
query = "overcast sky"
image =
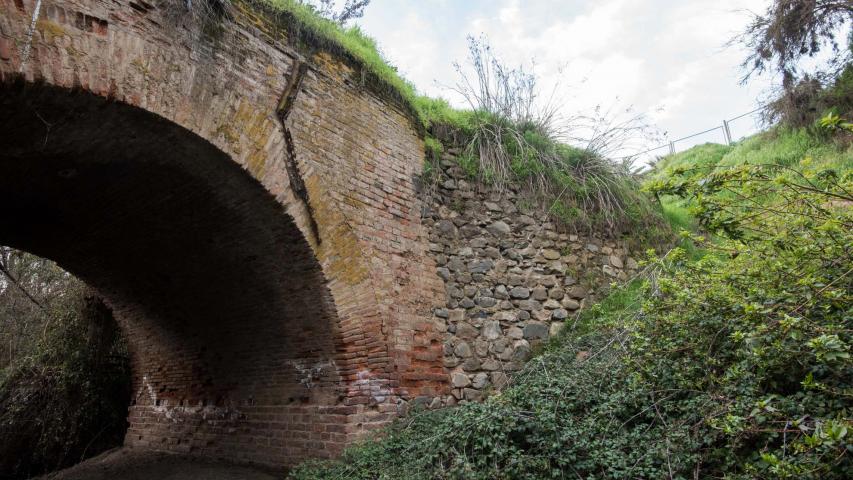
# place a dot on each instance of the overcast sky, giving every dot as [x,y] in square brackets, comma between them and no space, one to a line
[666,58]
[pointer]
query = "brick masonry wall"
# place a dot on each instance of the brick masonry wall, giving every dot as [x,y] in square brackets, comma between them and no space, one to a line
[256,335]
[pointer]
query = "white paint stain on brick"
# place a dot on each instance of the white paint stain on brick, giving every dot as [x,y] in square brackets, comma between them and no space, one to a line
[375,388]
[186,413]
[310,371]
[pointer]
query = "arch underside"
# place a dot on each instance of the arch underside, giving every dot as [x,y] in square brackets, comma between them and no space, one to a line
[232,330]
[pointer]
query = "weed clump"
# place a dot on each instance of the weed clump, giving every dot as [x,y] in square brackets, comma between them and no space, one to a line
[510,139]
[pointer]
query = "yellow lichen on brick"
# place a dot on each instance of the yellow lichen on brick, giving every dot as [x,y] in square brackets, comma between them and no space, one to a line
[230,135]
[340,249]
[332,65]
[247,129]
[50,30]
[273,80]
[259,21]
[253,123]
[142,66]
[73,52]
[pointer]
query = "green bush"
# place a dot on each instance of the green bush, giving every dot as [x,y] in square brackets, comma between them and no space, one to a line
[755,333]
[804,103]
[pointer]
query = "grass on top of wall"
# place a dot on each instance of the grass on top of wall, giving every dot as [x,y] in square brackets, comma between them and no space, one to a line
[315,32]
[581,190]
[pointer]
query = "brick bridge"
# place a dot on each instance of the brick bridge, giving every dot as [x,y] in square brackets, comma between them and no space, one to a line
[247,208]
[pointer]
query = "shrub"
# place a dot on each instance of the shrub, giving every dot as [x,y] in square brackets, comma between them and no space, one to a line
[804,103]
[780,39]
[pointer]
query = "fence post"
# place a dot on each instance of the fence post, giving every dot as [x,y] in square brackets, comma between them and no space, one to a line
[727,132]
[672,148]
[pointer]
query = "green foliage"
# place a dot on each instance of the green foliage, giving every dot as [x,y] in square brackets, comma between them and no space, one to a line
[569,215]
[803,104]
[549,426]
[776,318]
[437,112]
[433,149]
[736,365]
[469,164]
[839,96]
[801,149]
[30,287]
[433,146]
[833,121]
[581,190]
[68,400]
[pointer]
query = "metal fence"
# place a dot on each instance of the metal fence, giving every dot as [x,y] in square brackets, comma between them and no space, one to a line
[725,130]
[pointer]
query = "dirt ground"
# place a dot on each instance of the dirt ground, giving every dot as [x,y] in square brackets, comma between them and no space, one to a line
[129,464]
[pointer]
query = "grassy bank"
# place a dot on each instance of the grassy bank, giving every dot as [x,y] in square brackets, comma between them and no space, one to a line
[800,150]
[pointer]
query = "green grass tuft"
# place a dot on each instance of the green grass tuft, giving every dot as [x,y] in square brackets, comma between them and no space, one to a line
[438,112]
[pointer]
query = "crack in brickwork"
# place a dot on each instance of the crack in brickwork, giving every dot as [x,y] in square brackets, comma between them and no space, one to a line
[285,105]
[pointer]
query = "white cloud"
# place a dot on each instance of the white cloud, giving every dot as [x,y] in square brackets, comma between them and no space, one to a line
[651,54]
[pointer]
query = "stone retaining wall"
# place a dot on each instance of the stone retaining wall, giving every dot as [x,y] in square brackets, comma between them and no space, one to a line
[511,279]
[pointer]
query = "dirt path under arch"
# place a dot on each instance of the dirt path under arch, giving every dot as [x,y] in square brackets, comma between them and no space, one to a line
[130,464]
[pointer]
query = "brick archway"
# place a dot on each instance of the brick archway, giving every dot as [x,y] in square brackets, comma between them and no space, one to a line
[234,335]
[309,168]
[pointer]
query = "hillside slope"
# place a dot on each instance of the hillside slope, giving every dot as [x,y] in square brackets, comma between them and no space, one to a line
[734,364]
